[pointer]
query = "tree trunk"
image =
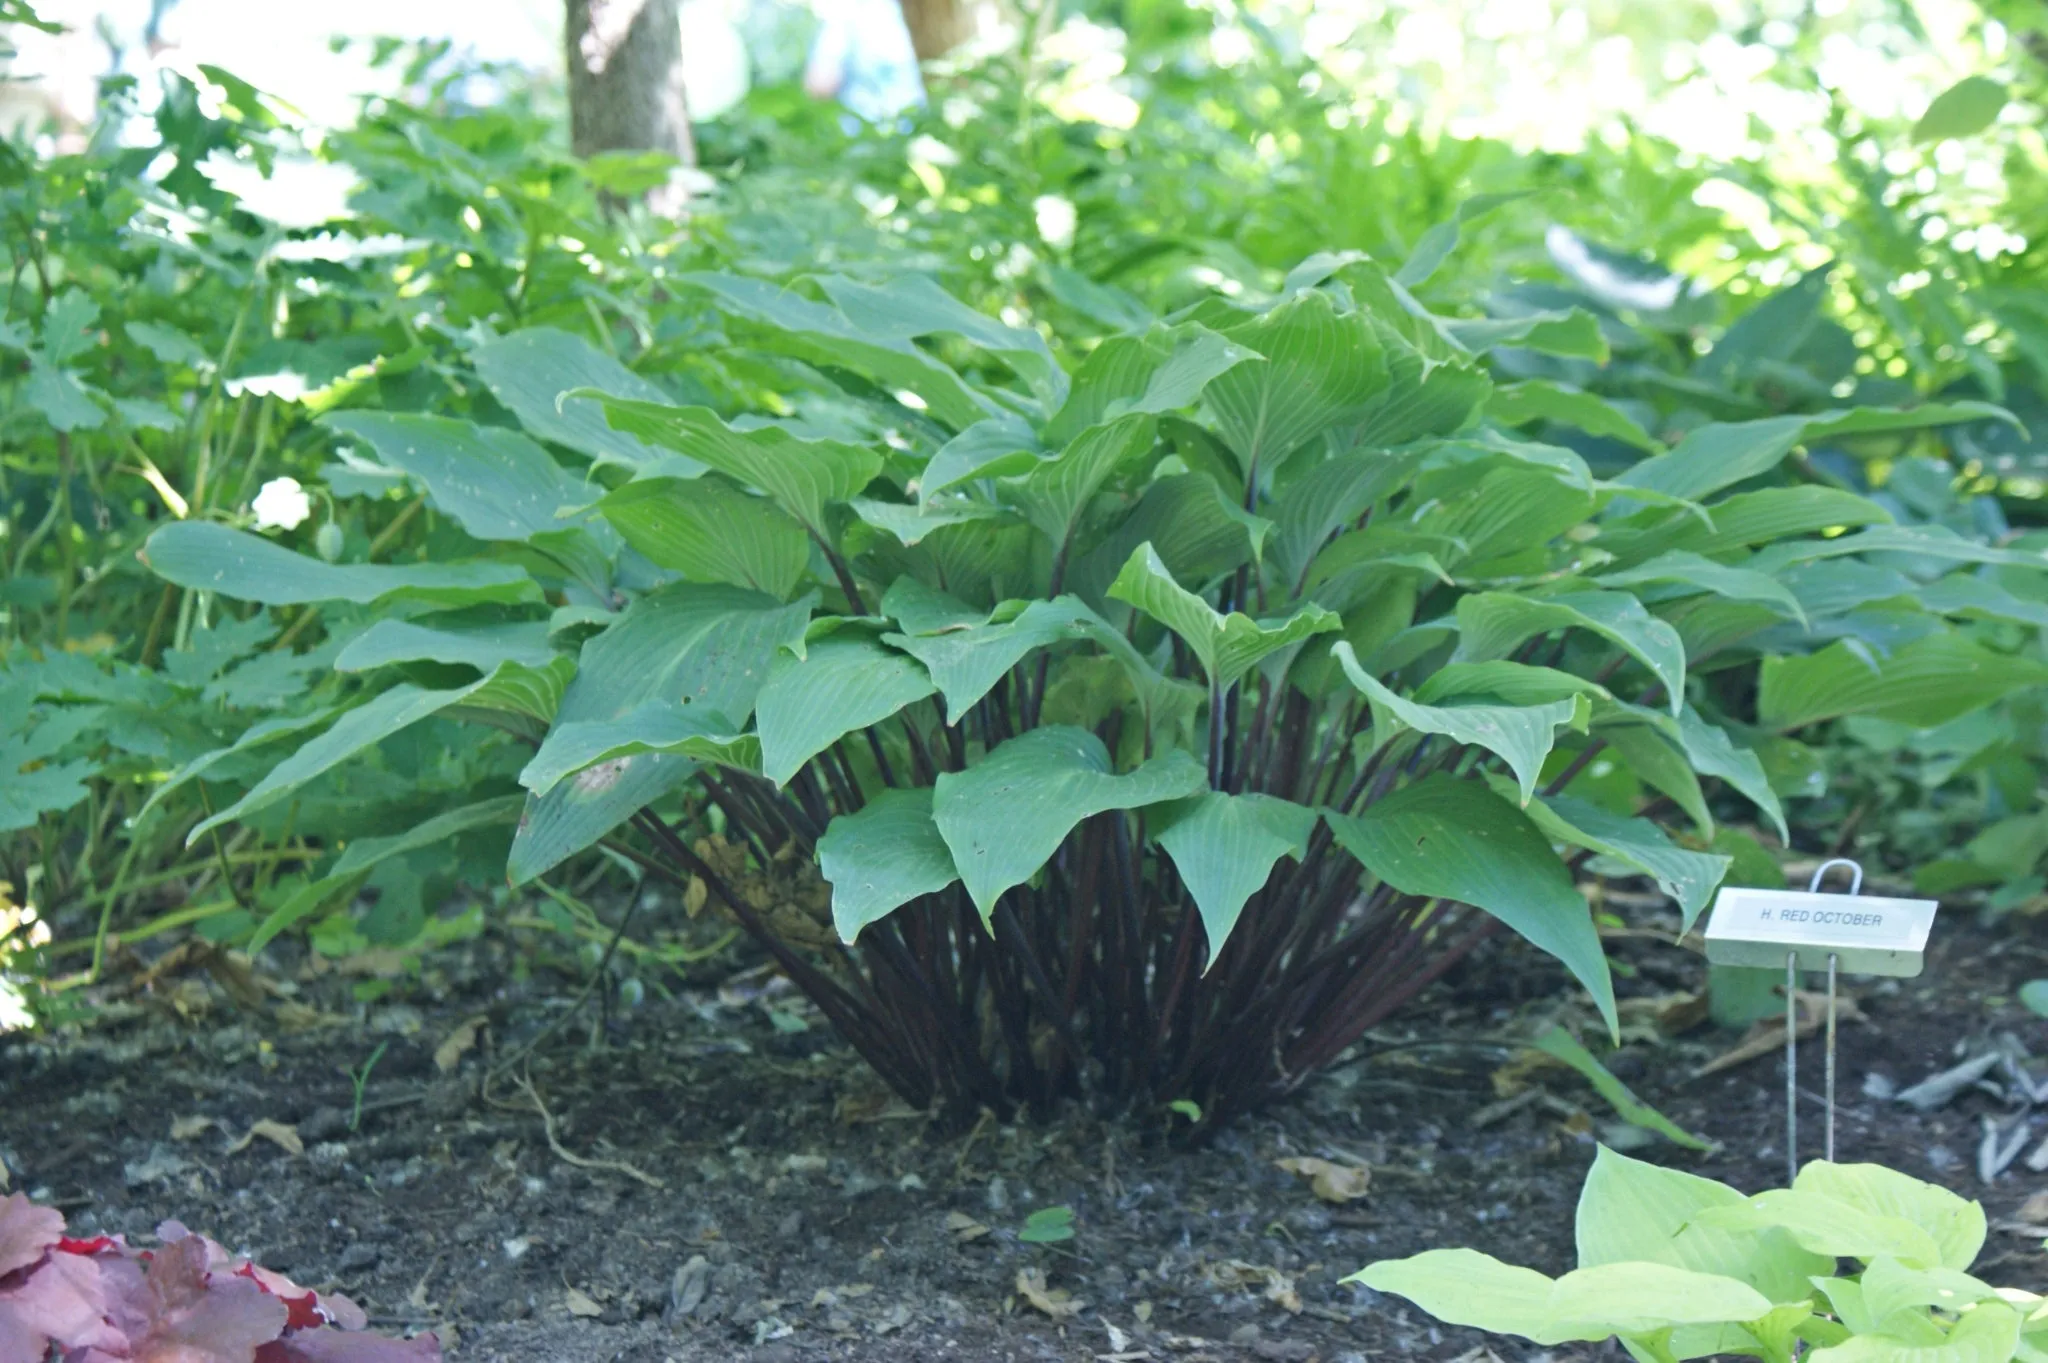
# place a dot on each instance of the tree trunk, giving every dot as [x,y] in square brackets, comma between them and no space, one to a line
[938,26]
[625,60]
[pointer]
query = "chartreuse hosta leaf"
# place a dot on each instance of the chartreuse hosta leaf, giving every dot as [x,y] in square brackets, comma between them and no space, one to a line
[710,530]
[1006,815]
[1688,877]
[1228,646]
[1225,848]
[206,557]
[822,334]
[803,476]
[1453,839]
[1492,624]
[845,681]
[677,672]
[1520,735]
[883,856]
[1864,1211]
[532,372]
[496,484]
[1925,683]
[1321,368]
[1637,1301]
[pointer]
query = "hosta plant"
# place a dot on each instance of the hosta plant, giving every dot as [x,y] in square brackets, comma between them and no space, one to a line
[1853,1263]
[1138,720]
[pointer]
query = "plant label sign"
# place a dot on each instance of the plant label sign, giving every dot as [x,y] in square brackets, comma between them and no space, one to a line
[1866,934]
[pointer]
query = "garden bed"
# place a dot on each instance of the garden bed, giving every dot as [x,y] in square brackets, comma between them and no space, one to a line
[802,1215]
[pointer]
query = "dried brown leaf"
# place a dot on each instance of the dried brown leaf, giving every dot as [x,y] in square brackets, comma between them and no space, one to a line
[458,1043]
[280,1134]
[964,1227]
[1055,1302]
[1767,1037]
[1329,1180]
[185,1128]
[581,1304]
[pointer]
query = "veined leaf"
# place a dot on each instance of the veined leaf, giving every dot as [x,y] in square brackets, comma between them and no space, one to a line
[532,371]
[483,648]
[1006,815]
[1436,244]
[882,857]
[966,662]
[1225,848]
[823,335]
[255,736]
[911,525]
[1571,332]
[1321,369]
[1736,584]
[1506,683]
[577,812]
[1164,370]
[1520,735]
[1519,404]
[844,682]
[709,530]
[1713,753]
[1333,494]
[1926,683]
[496,484]
[1054,494]
[1453,839]
[1688,877]
[207,557]
[1932,541]
[1492,624]
[912,306]
[1198,530]
[1228,646]
[803,476]
[1769,514]
[590,749]
[995,448]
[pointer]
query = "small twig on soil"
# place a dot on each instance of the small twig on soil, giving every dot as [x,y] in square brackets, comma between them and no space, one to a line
[547,1125]
[590,986]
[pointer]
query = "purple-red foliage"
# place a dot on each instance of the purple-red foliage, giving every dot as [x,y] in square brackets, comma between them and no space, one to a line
[187,1301]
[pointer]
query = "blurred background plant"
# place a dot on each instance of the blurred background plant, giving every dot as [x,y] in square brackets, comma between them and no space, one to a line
[216,236]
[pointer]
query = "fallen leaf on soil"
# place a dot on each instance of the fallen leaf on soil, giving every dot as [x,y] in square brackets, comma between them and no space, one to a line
[580,1304]
[1328,1180]
[301,1017]
[185,1128]
[2034,1209]
[1667,1014]
[459,1043]
[277,1133]
[964,1227]
[1055,1302]
[1767,1037]
[1237,1275]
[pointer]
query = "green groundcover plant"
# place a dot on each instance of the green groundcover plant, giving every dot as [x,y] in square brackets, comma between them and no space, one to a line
[1140,727]
[1679,1266]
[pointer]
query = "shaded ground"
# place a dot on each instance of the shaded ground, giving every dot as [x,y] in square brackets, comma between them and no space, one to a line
[800,1217]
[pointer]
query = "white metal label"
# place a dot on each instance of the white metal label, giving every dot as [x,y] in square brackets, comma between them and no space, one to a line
[1868,935]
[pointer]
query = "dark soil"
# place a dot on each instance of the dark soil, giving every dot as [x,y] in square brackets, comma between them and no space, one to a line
[800,1216]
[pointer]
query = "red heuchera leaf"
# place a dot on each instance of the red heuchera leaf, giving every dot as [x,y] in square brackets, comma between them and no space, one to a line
[62,1300]
[26,1232]
[188,1315]
[346,1346]
[99,1244]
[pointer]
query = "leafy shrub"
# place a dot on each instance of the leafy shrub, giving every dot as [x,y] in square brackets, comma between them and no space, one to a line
[1680,1266]
[1149,730]
[98,1301]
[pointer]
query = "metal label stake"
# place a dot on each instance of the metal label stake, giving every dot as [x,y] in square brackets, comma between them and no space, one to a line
[1814,931]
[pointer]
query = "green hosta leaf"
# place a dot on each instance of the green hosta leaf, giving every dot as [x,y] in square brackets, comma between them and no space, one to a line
[1989,1333]
[1965,109]
[1633,1211]
[1493,624]
[1977,598]
[882,857]
[255,736]
[1162,371]
[803,476]
[530,693]
[1453,839]
[1519,404]
[1321,369]
[1562,1045]
[1440,240]
[213,558]
[1425,395]
[1736,584]
[912,306]
[1053,495]
[1933,541]
[823,335]
[1645,745]
[577,812]
[1772,513]
[496,484]
[1225,848]
[709,530]
[1199,532]
[911,525]
[1228,646]
[1723,453]
[685,651]
[1925,683]
[357,730]
[996,448]
[531,371]
[364,853]
[588,747]
[1006,815]
[483,648]
[1331,495]
[1570,332]
[1520,735]
[1713,753]
[1688,877]
[844,682]
[966,662]
[1505,682]
[1465,1287]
